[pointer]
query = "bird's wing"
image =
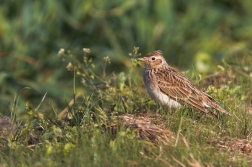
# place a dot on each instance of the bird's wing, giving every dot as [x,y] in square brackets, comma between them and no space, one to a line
[179,87]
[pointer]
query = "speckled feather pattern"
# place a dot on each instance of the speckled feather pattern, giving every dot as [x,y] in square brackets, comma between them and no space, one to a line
[171,88]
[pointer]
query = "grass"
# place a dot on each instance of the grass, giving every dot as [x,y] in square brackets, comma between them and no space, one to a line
[112,122]
[98,112]
[189,32]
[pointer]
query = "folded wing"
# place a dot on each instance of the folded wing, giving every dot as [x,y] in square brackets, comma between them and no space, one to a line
[179,87]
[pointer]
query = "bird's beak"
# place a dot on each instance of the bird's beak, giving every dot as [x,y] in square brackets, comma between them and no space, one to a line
[141,59]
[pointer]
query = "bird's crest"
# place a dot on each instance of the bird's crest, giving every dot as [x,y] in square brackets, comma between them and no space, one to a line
[154,53]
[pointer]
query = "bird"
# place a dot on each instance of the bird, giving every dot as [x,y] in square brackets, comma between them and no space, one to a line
[173,89]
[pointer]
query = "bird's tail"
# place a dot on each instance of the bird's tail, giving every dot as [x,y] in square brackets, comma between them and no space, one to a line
[215,105]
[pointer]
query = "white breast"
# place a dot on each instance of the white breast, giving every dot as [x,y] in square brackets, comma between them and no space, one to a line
[155,94]
[163,98]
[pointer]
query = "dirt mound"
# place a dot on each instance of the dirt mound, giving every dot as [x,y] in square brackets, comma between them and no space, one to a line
[147,128]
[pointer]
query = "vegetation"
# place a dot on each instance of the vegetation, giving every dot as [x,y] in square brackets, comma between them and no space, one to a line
[62,106]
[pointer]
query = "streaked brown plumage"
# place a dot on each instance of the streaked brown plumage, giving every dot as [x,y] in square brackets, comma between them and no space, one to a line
[171,88]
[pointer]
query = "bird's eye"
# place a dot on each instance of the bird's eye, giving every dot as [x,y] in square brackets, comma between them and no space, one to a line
[153,58]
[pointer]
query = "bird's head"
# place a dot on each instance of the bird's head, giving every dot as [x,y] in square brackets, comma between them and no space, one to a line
[153,60]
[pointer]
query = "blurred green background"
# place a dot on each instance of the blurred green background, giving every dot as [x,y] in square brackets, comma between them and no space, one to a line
[195,34]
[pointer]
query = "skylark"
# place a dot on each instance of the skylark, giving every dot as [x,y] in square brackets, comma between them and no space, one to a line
[171,88]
